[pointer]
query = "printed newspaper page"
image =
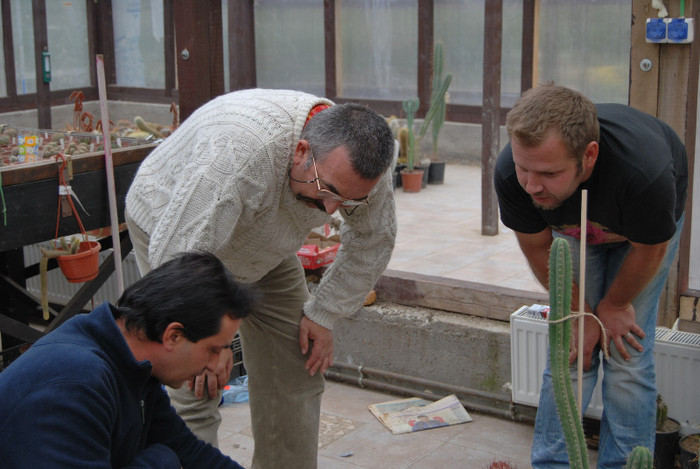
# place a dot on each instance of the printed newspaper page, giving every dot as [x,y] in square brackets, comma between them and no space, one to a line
[415,414]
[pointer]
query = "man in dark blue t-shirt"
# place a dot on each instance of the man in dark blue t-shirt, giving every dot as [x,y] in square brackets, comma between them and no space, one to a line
[635,170]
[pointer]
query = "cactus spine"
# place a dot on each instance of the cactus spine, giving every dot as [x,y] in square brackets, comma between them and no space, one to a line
[410,106]
[640,458]
[559,338]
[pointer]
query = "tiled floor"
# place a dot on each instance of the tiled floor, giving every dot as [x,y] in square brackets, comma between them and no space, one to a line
[439,234]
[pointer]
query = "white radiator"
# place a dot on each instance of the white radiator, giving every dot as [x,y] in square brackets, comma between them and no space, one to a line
[677,356]
[60,290]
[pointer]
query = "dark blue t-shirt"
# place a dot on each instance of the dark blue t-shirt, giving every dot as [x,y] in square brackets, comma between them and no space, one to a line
[636,192]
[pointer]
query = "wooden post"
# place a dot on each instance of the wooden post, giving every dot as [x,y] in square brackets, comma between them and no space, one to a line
[490,114]
[199,39]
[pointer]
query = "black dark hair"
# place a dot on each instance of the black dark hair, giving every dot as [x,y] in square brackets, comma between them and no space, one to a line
[194,289]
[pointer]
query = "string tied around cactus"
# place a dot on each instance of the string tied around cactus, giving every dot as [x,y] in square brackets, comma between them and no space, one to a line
[573,315]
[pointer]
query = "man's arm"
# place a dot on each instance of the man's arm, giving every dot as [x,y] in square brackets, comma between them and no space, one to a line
[615,310]
[536,248]
[367,240]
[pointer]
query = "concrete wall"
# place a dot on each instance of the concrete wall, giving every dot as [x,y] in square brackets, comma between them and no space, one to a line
[447,347]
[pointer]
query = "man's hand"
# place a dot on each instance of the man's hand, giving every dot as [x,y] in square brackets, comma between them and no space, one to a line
[216,380]
[619,322]
[591,337]
[322,349]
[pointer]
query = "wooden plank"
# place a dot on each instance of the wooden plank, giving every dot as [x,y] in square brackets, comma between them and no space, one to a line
[425,54]
[8,50]
[490,122]
[643,90]
[527,59]
[32,207]
[194,66]
[241,44]
[47,169]
[489,301]
[330,45]
[41,44]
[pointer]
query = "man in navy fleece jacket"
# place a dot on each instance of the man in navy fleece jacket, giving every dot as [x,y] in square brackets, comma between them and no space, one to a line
[89,394]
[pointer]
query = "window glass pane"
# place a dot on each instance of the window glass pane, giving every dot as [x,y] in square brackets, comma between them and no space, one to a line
[459,24]
[289,45]
[378,43]
[138,43]
[585,45]
[23,39]
[3,81]
[68,44]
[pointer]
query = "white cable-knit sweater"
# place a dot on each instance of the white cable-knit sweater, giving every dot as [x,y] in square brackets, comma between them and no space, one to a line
[220,183]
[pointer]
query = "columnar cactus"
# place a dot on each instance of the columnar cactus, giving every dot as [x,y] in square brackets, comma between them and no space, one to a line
[640,458]
[410,106]
[559,338]
[438,104]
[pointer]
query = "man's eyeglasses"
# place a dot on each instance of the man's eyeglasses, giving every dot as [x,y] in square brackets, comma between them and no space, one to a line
[327,194]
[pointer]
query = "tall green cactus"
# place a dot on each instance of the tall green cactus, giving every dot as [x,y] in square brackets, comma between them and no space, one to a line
[410,106]
[559,338]
[640,458]
[438,105]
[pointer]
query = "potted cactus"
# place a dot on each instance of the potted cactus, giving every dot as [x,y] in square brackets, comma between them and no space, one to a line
[559,339]
[690,449]
[411,177]
[640,458]
[667,429]
[435,117]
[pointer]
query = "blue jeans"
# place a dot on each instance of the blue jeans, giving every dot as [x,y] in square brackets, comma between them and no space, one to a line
[628,388]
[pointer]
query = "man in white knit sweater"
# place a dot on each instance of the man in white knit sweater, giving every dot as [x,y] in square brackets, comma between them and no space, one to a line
[247,176]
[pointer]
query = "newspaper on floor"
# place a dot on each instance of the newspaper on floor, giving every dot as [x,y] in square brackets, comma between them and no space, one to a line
[415,414]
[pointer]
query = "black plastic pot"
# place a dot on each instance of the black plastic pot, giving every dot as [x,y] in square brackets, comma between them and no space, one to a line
[397,174]
[666,446]
[687,458]
[426,171]
[436,172]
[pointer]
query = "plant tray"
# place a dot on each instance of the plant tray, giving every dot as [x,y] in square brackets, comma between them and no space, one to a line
[318,251]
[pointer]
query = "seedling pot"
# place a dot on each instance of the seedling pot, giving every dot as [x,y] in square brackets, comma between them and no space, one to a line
[83,265]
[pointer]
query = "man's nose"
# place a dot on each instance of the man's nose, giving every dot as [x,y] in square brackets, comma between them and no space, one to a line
[533,184]
[331,206]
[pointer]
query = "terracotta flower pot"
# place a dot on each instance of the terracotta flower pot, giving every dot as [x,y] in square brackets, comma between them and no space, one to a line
[412,181]
[83,265]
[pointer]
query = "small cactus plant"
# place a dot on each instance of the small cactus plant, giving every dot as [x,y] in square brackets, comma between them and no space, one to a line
[640,458]
[410,106]
[559,339]
[661,413]
[438,104]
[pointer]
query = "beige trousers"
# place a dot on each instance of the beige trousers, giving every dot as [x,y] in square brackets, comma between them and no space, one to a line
[285,402]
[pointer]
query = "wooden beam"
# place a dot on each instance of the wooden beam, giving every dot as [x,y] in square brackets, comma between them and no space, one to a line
[241,44]
[197,31]
[331,47]
[458,296]
[425,53]
[490,120]
[527,60]
[41,44]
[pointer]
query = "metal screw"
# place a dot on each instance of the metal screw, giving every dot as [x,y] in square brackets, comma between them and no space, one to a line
[185,54]
[645,65]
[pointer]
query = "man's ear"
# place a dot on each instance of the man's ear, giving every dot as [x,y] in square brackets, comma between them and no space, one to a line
[590,155]
[172,335]
[300,151]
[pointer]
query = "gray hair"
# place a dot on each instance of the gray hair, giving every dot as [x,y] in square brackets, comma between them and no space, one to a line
[364,133]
